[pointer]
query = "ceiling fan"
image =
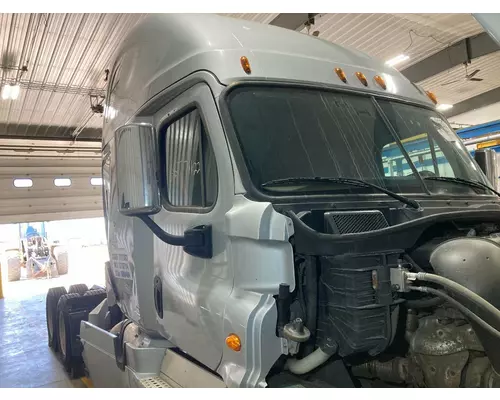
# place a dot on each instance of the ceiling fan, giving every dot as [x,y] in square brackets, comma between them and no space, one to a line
[468,77]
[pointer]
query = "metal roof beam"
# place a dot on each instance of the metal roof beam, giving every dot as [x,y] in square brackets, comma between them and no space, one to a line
[479,101]
[295,21]
[456,54]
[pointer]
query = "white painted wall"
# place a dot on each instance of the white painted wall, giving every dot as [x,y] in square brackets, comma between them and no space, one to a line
[478,116]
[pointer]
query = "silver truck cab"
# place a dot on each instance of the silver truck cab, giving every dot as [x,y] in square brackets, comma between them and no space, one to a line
[213,129]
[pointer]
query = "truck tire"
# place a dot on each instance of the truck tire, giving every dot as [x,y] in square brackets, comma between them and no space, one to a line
[96,292]
[79,288]
[29,271]
[13,265]
[54,272]
[53,296]
[63,329]
[60,254]
[72,309]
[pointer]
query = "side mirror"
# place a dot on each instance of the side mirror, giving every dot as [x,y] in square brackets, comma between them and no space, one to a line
[487,161]
[139,195]
[136,170]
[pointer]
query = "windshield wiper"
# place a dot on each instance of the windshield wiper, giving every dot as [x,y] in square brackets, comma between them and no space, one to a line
[474,184]
[343,181]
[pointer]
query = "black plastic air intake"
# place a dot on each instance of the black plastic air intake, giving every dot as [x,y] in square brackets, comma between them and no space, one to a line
[356,302]
[341,222]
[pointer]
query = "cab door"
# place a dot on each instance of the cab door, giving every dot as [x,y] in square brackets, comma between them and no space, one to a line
[197,188]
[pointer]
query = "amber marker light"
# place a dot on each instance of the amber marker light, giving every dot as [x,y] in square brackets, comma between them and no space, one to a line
[362,78]
[245,64]
[233,342]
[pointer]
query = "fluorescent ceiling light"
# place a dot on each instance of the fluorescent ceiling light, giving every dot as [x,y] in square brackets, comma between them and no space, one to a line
[10,92]
[397,60]
[444,107]
[6,92]
[14,92]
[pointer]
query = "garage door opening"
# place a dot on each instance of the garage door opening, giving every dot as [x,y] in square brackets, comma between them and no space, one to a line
[39,255]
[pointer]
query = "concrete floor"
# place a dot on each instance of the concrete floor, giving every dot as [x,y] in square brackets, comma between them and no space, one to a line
[25,357]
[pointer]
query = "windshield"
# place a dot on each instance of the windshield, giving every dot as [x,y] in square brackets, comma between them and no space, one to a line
[299,132]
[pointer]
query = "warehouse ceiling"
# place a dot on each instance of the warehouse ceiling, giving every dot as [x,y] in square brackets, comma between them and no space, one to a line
[59,61]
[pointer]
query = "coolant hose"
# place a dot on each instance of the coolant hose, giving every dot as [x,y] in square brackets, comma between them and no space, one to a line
[457,288]
[468,313]
[308,363]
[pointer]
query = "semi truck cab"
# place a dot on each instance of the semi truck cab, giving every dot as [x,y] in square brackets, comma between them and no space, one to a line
[276,206]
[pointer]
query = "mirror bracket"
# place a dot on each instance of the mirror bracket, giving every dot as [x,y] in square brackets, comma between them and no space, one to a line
[196,241]
[199,241]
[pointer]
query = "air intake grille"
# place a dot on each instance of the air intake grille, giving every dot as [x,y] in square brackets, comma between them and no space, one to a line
[341,222]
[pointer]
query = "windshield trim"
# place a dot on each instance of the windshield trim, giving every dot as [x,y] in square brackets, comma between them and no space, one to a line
[259,194]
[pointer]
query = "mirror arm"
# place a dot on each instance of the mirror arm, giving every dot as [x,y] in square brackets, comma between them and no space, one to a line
[196,241]
[161,234]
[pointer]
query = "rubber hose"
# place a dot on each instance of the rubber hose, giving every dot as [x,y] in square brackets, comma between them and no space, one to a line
[421,303]
[424,303]
[457,288]
[468,313]
[311,275]
[413,263]
[308,363]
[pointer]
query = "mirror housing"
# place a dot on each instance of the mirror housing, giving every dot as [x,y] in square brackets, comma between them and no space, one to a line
[139,195]
[136,170]
[487,161]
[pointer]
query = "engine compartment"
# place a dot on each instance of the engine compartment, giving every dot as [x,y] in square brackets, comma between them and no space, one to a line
[376,332]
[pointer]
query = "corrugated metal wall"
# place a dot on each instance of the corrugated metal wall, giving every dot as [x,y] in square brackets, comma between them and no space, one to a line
[42,162]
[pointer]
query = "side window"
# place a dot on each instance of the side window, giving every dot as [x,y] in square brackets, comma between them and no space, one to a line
[190,172]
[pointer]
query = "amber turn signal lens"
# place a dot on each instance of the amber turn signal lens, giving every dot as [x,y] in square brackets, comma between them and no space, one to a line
[362,78]
[380,82]
[245,64]
[341,74]
[233,342]
[432,96]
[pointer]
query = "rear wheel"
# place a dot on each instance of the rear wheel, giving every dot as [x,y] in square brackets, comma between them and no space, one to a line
[60,254]
[29,268]
[79,288]
[64,330]
[13,265]
[72,309]
[96,292]
[53,296]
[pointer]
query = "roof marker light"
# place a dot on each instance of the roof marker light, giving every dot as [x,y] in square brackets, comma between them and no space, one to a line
[341,74]
[362,78]
[245,64]
[380,81]
[432,96]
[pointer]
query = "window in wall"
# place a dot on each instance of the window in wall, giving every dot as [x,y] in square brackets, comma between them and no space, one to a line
[23,183]
[62,182]
[96,181]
